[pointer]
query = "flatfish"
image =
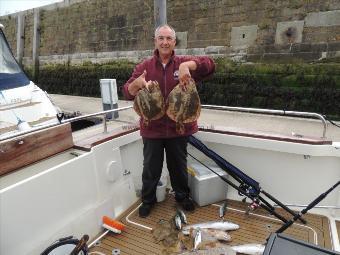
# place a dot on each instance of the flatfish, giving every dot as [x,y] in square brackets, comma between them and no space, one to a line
[183,106]
[149,103]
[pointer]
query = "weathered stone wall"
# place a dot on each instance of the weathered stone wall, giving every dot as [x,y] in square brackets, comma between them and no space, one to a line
[211,22]
[97,26]
[10,26]
[97,30]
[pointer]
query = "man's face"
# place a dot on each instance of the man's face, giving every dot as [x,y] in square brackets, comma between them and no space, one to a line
[165,42]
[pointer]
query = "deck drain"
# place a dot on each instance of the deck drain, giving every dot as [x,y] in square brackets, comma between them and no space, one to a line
[97,243]
[268,227]
[115,252]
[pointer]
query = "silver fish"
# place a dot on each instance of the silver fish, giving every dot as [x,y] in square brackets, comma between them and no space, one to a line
[178,222]
[182,215]
[198,238]
[212,251]
[221,225]
[223,209]
[251,249]
[216,233]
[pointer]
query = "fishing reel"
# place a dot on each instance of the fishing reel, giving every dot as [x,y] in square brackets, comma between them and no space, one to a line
[253,206]
[244,188]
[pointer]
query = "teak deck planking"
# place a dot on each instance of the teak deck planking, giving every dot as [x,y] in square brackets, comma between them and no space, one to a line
[253,228]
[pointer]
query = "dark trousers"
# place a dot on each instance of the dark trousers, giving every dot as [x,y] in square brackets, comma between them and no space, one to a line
[176,160]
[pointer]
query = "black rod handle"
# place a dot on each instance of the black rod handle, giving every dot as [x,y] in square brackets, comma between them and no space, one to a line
[282,205]
[310,206]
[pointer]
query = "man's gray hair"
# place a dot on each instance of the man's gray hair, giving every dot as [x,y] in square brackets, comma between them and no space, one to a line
[168,26]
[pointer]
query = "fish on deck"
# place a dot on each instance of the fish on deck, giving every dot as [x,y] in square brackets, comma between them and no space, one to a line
[220,225]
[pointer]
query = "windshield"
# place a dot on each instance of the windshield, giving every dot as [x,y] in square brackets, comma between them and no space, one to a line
[11,75]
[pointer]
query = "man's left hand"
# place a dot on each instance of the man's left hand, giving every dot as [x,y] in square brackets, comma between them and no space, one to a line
[184,73]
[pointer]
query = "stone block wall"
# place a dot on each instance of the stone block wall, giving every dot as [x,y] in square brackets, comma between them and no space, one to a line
[97,26]
[10,31]
[98,30]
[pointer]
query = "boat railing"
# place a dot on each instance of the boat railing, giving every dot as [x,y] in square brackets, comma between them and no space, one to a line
[70,120]
[215,107]
[273,112]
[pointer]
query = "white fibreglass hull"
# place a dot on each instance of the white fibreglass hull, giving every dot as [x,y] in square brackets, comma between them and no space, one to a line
[69,193]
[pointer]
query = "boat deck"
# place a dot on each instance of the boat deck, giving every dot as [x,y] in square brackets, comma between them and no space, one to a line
[254,228]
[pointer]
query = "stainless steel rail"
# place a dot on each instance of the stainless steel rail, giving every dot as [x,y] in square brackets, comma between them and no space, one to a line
[96,114]
[275,112]
[216,107]
[69,121]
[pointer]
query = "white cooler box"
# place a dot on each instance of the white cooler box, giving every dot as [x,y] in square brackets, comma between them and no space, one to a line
[205,186]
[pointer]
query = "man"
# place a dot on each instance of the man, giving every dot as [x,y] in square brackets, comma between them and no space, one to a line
[168,70]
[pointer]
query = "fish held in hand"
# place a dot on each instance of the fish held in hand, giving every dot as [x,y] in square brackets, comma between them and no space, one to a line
[149,103]
[184,106]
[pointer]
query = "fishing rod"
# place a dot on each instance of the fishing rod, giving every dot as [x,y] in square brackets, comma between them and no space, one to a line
[248,186]
[265,205]
[304,211]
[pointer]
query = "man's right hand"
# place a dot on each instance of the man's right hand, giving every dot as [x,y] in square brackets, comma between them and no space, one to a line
[138,84]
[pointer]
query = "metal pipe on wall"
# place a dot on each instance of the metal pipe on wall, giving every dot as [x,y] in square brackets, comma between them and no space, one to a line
[159,12]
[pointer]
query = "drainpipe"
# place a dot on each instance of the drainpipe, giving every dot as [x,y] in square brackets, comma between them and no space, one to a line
[36,43]
[159,12]
[20,37]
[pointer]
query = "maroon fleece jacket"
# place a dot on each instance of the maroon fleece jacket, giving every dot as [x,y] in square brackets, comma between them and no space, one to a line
[167,77]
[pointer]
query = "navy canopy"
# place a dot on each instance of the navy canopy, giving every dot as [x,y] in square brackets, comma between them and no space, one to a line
[11,74]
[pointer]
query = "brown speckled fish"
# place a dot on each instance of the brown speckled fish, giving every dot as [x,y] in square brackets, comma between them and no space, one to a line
[149,103]
[184,106]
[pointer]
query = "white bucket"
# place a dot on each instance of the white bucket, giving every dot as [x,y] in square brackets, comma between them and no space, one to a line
[161,191]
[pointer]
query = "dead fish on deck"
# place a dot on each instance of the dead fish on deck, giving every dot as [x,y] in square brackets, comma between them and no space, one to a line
[182,216]
[198,238]
[209,238]
[223,209]
[178,221]
[171,240]
[212,251]
[221,225]
[162,230]
[251,249]
[216,234]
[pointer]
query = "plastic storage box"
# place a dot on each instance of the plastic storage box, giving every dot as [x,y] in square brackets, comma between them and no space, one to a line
[205,186]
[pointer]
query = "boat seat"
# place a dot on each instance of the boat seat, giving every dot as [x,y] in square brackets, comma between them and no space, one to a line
[21,151]
[89,141]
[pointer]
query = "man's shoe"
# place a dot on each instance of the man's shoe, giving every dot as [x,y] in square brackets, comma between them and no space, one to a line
[144,210]
[187,204]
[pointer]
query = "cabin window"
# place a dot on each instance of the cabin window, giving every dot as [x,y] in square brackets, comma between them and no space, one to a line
[11,74]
